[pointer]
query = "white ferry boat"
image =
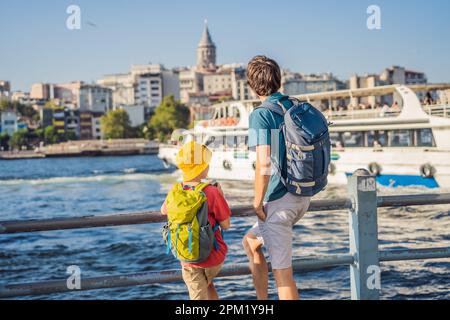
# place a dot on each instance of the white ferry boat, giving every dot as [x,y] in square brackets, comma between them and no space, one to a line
[408,145]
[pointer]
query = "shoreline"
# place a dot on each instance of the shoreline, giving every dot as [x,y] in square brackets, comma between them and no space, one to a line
[88,148]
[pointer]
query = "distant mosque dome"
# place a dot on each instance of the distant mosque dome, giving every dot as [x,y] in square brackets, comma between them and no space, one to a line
[206,51]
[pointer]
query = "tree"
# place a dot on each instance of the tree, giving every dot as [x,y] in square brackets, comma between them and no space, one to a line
[169,115]
[51,135]
[26,111]
[4,139]
[39,133]
[4,105]
[116,125]
[69,136]
[19,139]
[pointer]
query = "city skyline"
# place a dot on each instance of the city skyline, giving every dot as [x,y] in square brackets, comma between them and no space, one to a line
[333,38]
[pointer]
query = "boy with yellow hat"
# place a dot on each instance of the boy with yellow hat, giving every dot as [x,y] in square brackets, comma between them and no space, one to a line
[197,213]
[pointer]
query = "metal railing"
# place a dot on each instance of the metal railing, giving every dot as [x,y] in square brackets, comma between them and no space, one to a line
[441,110]
[361,114]
[363,255]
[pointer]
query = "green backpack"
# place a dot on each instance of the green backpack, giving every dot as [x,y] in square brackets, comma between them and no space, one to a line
[188,233]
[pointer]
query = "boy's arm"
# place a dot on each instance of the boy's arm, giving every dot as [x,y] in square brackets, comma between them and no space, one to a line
[164,208]
[226,224]
[221,211]
[262,177]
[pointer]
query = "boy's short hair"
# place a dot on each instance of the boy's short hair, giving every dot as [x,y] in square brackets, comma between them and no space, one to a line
[264,76]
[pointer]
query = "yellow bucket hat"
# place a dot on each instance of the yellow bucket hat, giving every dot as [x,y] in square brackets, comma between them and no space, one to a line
[192,159]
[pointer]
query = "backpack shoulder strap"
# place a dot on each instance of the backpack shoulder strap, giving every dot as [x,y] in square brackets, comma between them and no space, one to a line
[277,108]
[201,186]
[280,107]
[176,187]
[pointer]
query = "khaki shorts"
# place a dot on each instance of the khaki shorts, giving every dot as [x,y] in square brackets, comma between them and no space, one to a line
[276,232]
[198,279]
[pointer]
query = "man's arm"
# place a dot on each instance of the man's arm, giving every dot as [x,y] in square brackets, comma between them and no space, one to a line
[262,177]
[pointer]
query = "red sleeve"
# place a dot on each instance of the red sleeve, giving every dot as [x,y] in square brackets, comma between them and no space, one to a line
[217,204]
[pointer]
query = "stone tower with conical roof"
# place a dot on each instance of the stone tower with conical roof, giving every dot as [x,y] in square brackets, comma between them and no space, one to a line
[206,51]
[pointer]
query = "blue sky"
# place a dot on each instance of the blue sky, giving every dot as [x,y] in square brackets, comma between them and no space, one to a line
[304,36]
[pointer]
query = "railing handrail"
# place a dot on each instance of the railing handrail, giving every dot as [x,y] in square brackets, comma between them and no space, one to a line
[96,221]
[166,276]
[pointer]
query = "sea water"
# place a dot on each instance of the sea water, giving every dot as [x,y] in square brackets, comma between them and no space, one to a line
[73,187]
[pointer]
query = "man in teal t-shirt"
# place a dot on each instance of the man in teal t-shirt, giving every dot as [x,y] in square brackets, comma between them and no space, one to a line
[260,120]
[276,208]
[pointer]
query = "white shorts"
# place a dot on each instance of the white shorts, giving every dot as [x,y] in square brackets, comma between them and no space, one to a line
[276,232]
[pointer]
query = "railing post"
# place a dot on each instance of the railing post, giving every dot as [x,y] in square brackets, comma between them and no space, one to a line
[363,234]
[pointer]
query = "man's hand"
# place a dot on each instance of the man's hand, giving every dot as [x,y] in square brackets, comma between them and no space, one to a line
[259,209]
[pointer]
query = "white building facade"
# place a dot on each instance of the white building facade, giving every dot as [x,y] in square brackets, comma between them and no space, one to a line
[95,98]
[9,123]
[145,85]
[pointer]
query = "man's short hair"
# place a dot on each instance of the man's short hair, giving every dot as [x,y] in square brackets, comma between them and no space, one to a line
[263,76]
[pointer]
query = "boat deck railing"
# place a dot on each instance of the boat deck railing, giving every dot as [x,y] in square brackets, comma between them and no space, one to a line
[361,114]
[440,110]
[363,255]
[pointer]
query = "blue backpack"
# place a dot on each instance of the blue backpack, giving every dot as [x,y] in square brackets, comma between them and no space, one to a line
[308,146]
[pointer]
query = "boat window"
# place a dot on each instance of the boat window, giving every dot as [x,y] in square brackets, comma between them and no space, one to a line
[353,139]
[210,141]
[400,138]
[231,142]
[383,138]
[377,138]
[242,142]
[425,138]
[216,142]
[234,113]
[371,138]
[335,139]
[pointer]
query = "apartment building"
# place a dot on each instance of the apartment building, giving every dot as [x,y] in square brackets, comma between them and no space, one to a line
[299,83]
[145,85]
[95,98]
[8,122]
[74,95]
[191,83]
[5,90]
[389,76]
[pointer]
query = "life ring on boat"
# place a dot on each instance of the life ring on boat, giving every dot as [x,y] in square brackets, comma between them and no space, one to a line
[427,171]
[374,169]
[226,165]
[332,169]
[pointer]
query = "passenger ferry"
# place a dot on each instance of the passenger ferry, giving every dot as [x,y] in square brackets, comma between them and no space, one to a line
[408,145]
